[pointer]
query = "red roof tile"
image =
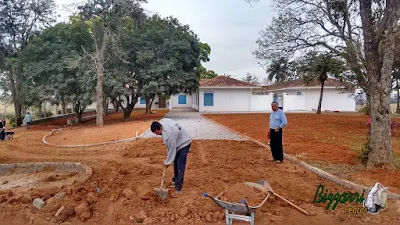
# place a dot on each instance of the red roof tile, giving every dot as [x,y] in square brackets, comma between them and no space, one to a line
[300,83]
[223,81]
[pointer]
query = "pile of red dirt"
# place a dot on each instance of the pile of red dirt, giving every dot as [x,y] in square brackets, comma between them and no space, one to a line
[241,191]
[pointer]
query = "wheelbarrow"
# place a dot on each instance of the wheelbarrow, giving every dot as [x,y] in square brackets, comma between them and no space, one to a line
[240,211]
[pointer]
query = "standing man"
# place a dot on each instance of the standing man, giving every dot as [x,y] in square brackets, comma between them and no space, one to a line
[178,143]
[277,121]
[28,120]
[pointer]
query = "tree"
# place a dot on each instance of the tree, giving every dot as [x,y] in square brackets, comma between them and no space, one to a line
[251,79]
[280,70]
[19,20]
[104,18]
[362,32]
[320,66]
[51,59]
[168,58]
[206,74]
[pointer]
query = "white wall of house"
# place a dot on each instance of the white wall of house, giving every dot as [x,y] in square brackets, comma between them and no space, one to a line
[138,105]
[294,103]
[261,103]
[195,101]
[232,100]
[307,99]
[174,100]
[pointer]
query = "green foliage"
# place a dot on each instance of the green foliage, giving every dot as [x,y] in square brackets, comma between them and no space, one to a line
[319,66]
[11,120]
[364,110]
[206,74]
[167,57]
[281,70]
[55,67]
[363,156]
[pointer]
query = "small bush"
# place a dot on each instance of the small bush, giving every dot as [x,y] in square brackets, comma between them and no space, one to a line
[363,157]
[13,124]
[364,110]
[12,120]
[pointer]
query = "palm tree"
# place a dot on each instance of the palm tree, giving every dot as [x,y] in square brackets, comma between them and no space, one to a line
[319,66]
[280,70]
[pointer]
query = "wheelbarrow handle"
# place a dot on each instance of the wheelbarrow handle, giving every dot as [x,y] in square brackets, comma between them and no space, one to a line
[245,203]
[212,198]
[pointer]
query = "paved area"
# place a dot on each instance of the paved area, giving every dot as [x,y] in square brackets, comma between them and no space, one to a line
[200,128]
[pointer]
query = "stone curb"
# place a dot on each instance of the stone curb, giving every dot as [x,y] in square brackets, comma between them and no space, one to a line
[37,166]
[92,145]
[313,169]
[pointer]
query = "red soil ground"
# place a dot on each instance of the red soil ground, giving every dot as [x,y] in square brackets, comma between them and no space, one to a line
[115,128]
[329,140]
[213,166]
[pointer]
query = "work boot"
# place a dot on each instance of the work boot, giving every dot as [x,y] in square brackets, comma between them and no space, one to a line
[176,193]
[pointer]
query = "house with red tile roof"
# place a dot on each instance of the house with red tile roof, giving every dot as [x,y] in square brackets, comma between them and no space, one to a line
[226,94]
[220,94]
[297,95]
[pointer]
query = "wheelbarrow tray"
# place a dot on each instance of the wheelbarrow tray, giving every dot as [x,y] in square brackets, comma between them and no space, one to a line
[238,207]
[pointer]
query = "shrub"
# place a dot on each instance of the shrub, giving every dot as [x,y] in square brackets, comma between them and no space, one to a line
[364,110]
[363,157]
[12,120]
[13,124]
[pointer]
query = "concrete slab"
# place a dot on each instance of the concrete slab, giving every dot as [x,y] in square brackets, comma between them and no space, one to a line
[199,128]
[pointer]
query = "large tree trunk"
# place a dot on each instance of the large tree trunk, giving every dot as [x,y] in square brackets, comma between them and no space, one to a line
[78,112]
[129,107]
[99,96]
[380,84]
[44,109]
[379,45]
[15,97]
[105,106]
[99,62]
[149,104]
[320,97]
[63,107]
[398,96]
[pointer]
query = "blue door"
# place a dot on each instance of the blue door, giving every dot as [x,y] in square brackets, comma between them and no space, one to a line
[208,99]
[142,101]
[182,99]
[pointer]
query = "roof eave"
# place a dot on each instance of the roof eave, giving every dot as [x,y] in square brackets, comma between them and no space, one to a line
[306,87]
[229,87]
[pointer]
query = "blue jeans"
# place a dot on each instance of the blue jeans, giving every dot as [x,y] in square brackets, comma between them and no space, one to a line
[180,166]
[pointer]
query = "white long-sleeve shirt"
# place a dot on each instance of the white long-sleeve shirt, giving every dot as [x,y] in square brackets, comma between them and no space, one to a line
[174,137]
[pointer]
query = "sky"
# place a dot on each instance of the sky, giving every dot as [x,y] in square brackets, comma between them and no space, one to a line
[230,27]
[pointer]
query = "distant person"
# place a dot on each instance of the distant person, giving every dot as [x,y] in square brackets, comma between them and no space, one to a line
[28,120]
[277,121]
[2,131]
[178,143]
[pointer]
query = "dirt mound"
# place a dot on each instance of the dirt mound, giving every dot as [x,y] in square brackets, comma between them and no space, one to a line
[241,191]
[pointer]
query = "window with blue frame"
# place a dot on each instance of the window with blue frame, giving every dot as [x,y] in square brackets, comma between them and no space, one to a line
[182,99]
[142,101]
[208,99]
[298,93]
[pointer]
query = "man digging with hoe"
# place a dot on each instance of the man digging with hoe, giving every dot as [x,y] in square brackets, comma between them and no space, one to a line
[178,143]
